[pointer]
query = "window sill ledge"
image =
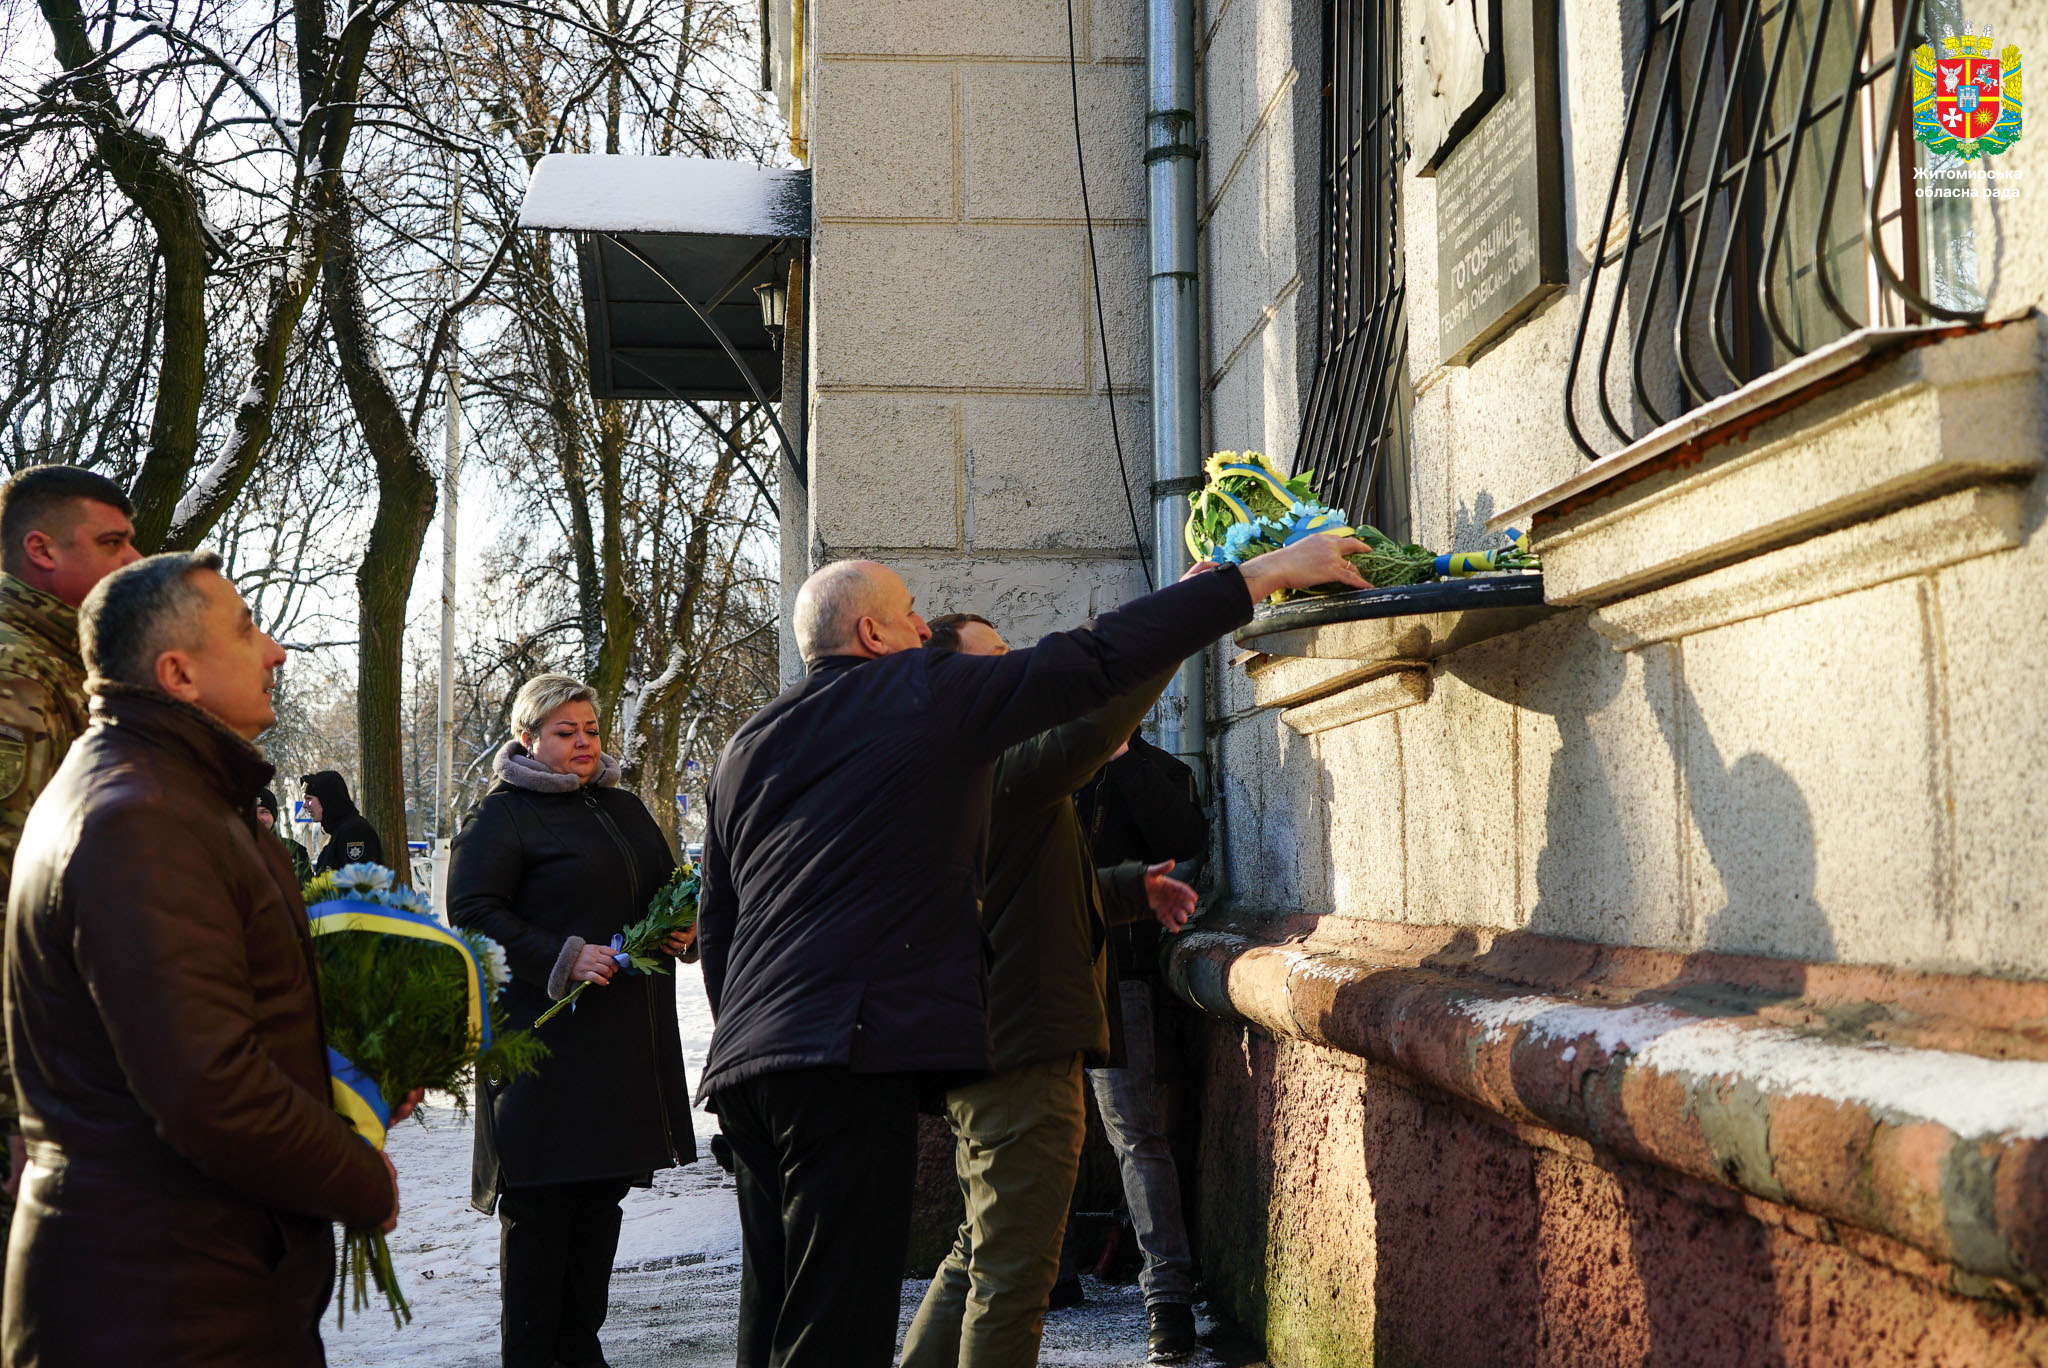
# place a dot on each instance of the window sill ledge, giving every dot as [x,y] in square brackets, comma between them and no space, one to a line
[1344,658]
[1883,419]
[1413,624]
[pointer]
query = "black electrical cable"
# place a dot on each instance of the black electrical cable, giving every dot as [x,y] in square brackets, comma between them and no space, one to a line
[1101,325]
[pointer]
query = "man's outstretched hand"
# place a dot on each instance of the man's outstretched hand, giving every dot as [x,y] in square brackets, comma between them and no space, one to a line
[1172,901]
[1309,563]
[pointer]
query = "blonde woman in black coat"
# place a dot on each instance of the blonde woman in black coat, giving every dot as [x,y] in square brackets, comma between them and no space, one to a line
[555,861]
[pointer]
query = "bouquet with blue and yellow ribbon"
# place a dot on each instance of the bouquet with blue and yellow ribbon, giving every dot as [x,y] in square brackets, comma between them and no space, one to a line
[1249,508]
[409,1004]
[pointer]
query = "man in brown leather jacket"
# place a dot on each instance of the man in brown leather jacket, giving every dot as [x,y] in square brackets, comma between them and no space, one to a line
[185,1159]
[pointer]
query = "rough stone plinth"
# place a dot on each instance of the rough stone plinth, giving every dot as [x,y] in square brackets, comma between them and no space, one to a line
[1914,1107]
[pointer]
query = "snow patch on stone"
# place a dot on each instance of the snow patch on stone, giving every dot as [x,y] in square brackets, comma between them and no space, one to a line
[1967,1094]
[1616,1030]
[1317,966]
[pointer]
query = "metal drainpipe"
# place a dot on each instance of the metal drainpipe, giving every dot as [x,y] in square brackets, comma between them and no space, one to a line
[1176,361]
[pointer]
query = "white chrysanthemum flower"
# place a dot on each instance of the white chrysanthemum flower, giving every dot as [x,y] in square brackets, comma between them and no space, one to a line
[490,957]
[363,878]
[497,968]
[406,899]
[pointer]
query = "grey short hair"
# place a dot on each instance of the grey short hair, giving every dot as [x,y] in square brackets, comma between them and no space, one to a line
[142,610]
[541,695]
[831,601]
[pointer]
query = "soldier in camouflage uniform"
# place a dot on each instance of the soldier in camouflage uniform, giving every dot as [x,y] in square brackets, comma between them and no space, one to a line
[62,530]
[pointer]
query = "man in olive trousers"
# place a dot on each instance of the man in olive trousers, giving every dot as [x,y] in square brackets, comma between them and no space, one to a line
[1047,913]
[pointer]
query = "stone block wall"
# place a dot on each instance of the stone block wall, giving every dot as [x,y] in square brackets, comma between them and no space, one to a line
[1790,716]
[1788,713]
[1259,69]
[1371,1221]
[1776,773]
[961,426]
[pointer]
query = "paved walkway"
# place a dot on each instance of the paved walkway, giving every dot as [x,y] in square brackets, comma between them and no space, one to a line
[685,1318]
[675,1294]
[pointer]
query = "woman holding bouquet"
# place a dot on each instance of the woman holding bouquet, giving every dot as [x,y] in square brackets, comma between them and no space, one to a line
[554,862]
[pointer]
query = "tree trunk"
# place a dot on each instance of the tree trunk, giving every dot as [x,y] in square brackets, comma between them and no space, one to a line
[662,784]
[563,418]
[615,601]
[208,501]
[405,508]
[150,177]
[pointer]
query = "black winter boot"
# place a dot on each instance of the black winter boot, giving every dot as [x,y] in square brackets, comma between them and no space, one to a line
[1173,1332]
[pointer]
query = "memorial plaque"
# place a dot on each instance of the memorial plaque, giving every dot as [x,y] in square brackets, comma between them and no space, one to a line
[1500,248]
[1458,77]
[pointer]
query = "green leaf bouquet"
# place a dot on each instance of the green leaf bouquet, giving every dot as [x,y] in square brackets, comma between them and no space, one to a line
[638,948]
[409,1004]
[1249,508]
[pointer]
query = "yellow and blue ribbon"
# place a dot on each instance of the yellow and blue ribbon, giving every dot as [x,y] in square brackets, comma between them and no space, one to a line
[1462,563]
[1244,514]
[358,1099]
[350,914]
[1327,522]
[1286,496]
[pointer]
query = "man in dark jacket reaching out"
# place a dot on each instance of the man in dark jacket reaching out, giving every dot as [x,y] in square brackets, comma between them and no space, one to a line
[842,869]
[350,837]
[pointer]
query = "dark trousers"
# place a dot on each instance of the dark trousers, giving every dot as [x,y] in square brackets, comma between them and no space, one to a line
[826,1161]
[555,1270]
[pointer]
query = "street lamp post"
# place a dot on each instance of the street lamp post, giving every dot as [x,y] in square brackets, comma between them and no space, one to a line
[444,748]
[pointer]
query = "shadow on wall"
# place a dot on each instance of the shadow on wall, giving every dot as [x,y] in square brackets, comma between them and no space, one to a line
[1748,819]
[1758,832]
[1619,1268]
[1468,525]
[1456,1229]
[1493,1253]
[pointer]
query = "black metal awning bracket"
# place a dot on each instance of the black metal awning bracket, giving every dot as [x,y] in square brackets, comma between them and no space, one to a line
[704,316]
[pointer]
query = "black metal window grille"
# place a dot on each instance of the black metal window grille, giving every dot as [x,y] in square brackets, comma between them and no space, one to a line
[1354,434]
[1766,168]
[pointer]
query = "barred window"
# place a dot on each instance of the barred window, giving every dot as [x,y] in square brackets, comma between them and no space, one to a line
[1764,205]
[1355,432]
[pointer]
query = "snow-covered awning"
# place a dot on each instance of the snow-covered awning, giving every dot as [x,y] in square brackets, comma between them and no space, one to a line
[664,243]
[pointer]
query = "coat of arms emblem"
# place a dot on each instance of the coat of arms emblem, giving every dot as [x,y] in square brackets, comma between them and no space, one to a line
[1966,102]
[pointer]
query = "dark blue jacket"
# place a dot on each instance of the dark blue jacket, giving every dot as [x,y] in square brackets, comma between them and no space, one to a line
[848,824]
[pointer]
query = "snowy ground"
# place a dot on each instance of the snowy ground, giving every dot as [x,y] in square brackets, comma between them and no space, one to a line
[675,1294]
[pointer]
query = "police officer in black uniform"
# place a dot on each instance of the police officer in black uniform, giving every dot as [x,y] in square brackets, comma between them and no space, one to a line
[350,837]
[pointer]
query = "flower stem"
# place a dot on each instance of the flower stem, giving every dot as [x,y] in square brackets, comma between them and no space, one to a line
[366,1261]
[569,1000]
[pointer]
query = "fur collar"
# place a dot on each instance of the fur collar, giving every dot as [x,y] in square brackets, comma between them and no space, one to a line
[517,767]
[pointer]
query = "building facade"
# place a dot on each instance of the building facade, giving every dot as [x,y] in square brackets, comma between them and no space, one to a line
[1654,974]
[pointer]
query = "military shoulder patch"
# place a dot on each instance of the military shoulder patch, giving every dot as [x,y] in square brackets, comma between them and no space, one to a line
[13,760]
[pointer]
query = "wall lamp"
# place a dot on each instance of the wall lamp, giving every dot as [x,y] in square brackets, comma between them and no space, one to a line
[774,297]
